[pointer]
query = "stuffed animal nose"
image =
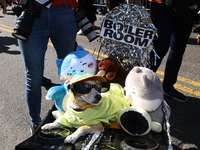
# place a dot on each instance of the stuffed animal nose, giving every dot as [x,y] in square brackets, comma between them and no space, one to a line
[98,97]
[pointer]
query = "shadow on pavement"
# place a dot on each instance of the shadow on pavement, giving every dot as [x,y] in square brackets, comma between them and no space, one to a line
[192,41]
[5,44]
[185,123]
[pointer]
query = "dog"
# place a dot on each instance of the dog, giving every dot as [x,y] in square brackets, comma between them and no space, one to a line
[87,108]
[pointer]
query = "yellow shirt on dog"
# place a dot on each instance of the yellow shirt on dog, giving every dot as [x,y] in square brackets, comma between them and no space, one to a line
[111,102]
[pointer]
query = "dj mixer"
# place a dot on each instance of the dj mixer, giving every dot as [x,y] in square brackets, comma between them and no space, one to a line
[110,139]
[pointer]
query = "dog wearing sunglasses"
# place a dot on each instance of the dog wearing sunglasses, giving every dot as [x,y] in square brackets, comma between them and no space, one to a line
[90,103]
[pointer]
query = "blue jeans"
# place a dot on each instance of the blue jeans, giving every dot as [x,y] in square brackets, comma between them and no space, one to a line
[173,33]
[58,24]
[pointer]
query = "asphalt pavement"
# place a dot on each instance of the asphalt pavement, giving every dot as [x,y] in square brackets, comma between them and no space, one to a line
[14,120]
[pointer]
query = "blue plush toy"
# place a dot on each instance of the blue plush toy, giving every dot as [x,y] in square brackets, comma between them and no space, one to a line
[79,61]
[76,62]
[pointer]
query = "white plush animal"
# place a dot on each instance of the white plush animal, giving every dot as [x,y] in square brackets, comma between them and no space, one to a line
[144,91]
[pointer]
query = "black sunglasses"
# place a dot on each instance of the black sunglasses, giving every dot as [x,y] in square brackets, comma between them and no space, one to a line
[84,88]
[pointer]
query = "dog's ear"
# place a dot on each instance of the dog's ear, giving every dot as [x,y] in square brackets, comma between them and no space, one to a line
[66,79]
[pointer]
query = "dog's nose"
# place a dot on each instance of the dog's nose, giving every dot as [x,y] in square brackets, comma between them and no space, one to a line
[98,97]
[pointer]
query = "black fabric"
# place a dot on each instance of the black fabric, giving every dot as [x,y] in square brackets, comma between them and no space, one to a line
[183,8]
[87,5]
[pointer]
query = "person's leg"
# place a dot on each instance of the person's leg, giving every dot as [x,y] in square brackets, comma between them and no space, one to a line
[33,51]
[163,22]
[89,11]
[63,29]
[4,6]
[181,32]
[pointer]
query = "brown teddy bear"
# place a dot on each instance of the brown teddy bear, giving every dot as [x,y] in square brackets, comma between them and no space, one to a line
[112,71]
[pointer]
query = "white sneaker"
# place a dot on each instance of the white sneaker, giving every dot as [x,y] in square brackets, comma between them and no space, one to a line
[34,128]
[80,32]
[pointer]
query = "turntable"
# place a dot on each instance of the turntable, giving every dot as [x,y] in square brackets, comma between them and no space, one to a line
[112,138]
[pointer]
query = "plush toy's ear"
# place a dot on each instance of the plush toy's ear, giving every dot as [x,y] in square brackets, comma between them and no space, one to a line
[109,65]
[137,69]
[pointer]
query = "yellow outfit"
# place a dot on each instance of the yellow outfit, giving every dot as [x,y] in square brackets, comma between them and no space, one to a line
[111,102]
